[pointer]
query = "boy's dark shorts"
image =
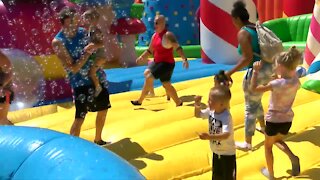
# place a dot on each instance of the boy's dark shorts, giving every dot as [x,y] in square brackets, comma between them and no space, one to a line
[3,99]
[224,167]
[85,100]
[162,71]
[273,129]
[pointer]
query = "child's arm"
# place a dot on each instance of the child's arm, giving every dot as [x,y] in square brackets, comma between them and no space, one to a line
[174,43]
[221,136]
[197,106]
[92,47]
[253,85]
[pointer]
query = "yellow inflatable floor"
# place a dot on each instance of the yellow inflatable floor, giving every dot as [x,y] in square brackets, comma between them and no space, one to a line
[160,139]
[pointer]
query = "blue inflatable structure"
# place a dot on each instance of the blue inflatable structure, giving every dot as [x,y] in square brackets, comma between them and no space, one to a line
[35,153]
[128,79]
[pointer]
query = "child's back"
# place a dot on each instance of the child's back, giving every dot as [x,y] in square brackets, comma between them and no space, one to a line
[282,96]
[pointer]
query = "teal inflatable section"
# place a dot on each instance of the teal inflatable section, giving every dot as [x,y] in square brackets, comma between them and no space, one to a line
[35,153]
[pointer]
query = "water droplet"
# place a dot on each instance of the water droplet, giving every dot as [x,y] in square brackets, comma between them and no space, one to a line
[12,2]
[34,31]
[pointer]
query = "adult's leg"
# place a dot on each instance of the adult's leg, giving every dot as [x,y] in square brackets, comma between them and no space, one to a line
[4,109]
[264,77]
[100,121]
[171,91]
[251,109]
[260,118]
[147,73]
[76,126]
[148,83]
[81,96]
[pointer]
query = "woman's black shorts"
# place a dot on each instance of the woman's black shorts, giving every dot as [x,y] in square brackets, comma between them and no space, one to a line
[162,71]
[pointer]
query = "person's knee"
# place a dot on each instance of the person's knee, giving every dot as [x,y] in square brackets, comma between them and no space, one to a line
[166,84]
[77,123]
[102,114]
[147,73]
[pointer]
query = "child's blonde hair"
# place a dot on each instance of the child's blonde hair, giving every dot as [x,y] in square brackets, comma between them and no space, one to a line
[220,93]
[92,15]
[289,59]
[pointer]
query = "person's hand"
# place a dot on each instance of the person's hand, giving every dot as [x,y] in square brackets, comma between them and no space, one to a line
[185,64]
[139,59]
[90,48]
[204,136]
[197,100]
[257,66]
[227,73]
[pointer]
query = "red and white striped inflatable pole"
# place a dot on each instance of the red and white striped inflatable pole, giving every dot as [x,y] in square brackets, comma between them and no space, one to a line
[218,35]
[313,41]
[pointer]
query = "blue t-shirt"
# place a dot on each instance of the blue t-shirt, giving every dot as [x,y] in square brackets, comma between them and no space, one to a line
[75,47]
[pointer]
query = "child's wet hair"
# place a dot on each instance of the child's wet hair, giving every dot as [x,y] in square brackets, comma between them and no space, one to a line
[290,59]
[91,14]
[222,79]
[96,36]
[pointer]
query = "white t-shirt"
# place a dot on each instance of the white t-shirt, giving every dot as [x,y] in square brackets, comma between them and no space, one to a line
[220,123]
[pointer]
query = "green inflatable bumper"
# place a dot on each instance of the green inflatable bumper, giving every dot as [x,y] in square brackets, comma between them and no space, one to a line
[312,85]
[293,31]
[191,51]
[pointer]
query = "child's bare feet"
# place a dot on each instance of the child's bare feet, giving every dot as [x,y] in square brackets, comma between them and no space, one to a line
[265,172]
[150,95]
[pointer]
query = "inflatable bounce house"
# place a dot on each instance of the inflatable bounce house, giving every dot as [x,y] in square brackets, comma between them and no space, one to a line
[156,140]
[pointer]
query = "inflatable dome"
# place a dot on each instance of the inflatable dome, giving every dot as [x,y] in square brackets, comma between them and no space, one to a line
[35,153]
[28,80]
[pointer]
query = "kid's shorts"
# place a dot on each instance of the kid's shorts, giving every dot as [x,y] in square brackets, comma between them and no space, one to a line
[273,129]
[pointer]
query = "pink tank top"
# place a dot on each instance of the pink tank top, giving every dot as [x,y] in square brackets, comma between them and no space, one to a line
[161,54]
